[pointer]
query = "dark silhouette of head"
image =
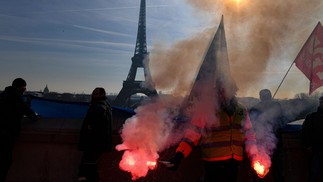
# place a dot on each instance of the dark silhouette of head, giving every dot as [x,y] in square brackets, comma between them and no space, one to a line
[98,94]
[227,100]
[321,102]
[265,95]
[20,84]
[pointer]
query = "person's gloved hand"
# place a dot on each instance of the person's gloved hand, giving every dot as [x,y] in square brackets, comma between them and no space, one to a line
[173,163]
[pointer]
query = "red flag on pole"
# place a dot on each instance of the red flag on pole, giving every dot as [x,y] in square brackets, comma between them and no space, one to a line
[310,58]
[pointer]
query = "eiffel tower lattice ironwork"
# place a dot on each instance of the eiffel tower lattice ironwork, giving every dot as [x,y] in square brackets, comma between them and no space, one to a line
[141,56]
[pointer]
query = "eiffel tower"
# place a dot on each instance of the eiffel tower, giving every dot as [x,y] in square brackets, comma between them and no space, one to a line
[141,56]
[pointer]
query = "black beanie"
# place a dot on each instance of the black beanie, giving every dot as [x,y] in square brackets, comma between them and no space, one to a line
[19,82]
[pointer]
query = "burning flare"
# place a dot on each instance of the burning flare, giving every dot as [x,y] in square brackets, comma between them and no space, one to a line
[138,162]
[260,169]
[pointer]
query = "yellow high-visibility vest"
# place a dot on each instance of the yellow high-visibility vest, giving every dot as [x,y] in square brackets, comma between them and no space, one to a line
[221,141]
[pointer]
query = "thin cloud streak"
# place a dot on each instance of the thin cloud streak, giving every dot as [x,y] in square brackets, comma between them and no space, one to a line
[60,41]
[98,9]
[103,31]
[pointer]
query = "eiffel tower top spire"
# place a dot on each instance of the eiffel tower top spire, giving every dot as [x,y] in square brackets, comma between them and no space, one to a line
[141,44]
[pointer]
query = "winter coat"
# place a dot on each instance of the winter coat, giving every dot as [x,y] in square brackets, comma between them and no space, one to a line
[96,129]
[12,109]
[312,130]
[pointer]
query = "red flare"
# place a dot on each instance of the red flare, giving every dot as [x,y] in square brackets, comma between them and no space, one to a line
[260,169]
[151,164]
[138,163]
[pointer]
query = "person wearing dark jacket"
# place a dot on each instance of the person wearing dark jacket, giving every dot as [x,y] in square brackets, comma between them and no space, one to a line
[95,135]
[12,109]
[312,139]
[268,120]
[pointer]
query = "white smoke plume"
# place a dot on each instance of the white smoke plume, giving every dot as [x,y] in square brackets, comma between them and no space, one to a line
[146,134]
[268,119]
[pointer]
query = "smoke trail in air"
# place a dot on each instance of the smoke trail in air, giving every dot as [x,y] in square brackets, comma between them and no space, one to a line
[146,134]
[263,37]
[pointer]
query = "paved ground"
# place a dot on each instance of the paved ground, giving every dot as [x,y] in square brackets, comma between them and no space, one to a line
[47,152]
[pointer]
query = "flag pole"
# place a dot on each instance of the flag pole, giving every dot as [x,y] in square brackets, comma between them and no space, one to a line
[283,79]
[308,39]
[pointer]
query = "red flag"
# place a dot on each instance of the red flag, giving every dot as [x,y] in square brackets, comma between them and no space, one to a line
[310,58]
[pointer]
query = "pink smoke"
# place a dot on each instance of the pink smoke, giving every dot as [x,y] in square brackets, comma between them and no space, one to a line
[146,134]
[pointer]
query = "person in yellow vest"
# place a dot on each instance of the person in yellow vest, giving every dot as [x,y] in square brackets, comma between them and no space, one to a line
[222,144]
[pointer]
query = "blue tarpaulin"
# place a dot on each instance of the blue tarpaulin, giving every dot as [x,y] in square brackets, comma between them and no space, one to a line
[49,108]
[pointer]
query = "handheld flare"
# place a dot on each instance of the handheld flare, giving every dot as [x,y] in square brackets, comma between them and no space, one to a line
[260,169]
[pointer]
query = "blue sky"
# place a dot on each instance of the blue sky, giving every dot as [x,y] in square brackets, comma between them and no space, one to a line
[77,45]
[74,46]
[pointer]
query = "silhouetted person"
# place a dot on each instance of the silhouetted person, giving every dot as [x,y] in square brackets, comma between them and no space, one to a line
[12,109]
[312,138]
[268,120]
[95,135]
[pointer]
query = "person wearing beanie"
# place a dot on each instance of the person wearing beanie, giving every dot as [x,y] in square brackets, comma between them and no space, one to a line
[12,109]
